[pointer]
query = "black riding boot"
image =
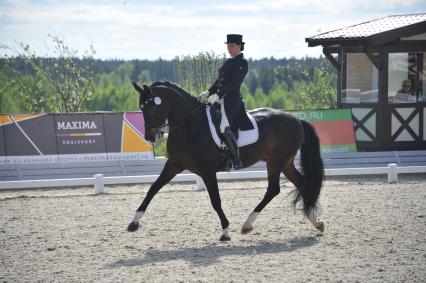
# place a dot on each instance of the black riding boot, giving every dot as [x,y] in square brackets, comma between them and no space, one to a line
[231,141]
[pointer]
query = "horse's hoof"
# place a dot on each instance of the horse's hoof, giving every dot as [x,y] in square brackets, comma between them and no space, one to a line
[225,238]
[133,226]
[246,230]
[321,227]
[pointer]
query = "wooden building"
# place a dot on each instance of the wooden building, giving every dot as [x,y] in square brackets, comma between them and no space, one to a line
[381,68]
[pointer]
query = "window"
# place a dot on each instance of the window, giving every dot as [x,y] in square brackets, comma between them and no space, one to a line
[406,79]
[423,79]
[362,80]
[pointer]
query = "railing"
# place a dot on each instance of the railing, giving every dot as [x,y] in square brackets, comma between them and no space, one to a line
[99,180]
[103,173]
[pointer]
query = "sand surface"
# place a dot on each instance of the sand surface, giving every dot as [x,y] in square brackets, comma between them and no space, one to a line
[375,232]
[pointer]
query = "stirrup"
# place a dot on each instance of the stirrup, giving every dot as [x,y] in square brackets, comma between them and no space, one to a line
[236,164]
[232,164]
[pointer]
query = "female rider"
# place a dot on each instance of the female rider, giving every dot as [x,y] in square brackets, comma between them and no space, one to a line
[226,92]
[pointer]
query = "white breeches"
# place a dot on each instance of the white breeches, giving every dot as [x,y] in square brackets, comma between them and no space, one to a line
[224,121]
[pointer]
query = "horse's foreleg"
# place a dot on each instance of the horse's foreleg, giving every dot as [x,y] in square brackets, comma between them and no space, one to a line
[169,171]
[212,188]
[272,190]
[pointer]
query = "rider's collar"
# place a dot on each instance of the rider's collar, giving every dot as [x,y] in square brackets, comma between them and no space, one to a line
[238,55]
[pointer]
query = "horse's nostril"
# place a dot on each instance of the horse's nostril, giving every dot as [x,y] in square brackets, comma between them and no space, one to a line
[159,135]
[149,138]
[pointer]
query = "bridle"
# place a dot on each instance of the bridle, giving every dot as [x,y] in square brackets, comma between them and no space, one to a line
[172,126]
[142,106]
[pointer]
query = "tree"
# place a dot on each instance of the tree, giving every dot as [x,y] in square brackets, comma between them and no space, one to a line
[63,84]
[24,90]
[278,96]
[73,84]
[252,81]
[197,73]
[266,79]
[144,77]
[114,91]
[27,83]
[325,87]
[9,103]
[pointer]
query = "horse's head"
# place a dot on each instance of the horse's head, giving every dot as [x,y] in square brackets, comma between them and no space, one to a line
[154,111]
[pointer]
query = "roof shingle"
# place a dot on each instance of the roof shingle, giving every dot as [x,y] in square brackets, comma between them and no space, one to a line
[367,29]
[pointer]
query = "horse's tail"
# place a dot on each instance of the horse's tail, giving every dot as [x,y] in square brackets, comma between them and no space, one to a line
[312,170]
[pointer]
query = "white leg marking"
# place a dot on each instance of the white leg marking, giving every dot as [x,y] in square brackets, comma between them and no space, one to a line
[313,218]
[250,219]
[225,232]
[138,215]
[224,121]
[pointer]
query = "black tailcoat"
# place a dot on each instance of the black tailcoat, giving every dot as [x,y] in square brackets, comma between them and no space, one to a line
[227,86]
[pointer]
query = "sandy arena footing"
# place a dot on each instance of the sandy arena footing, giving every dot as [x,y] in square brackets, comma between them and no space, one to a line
[375,232]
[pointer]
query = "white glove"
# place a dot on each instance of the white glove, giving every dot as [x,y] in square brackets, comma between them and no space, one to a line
[213,99]
[203,96]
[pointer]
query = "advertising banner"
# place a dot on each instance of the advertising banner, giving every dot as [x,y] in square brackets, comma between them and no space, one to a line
[334,128]
[48,138]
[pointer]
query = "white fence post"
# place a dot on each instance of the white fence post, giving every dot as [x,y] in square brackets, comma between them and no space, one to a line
[392,173]
[99,184]
[200,184]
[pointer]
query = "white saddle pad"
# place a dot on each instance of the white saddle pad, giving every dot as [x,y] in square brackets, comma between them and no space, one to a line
[244,137]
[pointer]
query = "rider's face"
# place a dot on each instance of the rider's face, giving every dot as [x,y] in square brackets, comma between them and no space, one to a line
[233,49]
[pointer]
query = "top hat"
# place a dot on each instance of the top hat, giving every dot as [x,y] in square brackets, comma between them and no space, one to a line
[234,38]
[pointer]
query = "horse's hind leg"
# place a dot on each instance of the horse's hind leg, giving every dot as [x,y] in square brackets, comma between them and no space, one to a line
[296,178]
[272,190]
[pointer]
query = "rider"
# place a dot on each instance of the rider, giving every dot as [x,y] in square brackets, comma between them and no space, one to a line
[226,91]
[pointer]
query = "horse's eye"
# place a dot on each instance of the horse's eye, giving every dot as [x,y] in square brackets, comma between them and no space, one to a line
[149,109]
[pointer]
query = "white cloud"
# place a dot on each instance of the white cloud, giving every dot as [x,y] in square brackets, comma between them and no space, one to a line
[136,30]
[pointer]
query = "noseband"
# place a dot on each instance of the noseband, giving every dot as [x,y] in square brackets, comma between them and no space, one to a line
[156,102]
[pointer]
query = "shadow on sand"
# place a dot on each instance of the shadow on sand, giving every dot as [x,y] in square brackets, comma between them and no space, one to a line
[207,255]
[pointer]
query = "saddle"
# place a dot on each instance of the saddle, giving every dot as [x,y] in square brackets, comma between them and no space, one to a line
[244,137]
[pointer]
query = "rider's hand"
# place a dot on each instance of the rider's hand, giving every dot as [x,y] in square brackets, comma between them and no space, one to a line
[213,99]
[203,96]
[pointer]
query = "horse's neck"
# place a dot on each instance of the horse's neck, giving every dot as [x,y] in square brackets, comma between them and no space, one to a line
[186,118]
[181,109]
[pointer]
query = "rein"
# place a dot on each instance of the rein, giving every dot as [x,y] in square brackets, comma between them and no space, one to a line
[174,125]
[194,113]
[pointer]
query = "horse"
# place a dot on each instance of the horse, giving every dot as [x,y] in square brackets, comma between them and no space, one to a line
[190,147]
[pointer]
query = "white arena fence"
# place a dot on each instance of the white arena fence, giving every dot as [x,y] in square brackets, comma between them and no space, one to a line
[146,171]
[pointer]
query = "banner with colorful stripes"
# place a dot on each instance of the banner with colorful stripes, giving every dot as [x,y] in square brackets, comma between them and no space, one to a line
[48,138]
[334,128]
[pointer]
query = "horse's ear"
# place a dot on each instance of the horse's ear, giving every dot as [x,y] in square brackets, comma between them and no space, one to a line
[143,93]
[147,90]
[137,87]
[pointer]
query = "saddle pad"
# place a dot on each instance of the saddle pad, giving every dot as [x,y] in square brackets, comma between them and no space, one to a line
[244,137]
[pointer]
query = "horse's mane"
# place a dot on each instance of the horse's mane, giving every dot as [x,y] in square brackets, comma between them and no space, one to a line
[175,87]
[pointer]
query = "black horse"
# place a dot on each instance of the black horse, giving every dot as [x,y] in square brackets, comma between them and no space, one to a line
[190,146]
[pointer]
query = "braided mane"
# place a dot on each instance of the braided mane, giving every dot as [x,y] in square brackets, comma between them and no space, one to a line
[175,87]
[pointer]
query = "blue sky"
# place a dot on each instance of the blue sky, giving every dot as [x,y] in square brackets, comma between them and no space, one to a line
[151,29]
